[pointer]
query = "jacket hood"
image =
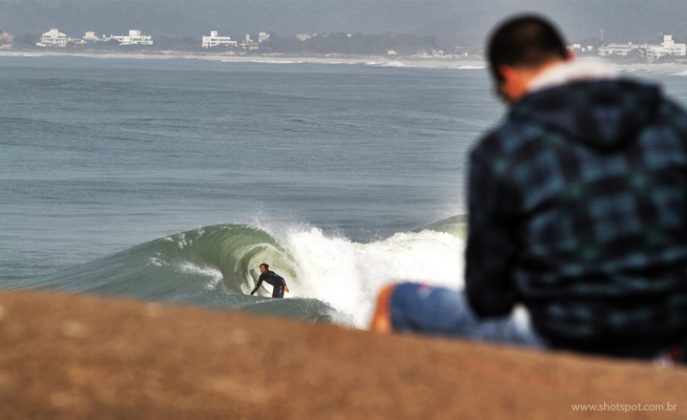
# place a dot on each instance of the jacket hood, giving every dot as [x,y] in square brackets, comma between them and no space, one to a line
[603,114]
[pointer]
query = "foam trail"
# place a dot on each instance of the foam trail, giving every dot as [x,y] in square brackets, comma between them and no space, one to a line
[348,275]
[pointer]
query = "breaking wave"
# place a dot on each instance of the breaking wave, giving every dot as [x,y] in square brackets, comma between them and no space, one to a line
[332,278]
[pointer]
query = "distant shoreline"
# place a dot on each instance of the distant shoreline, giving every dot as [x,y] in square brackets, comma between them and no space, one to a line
[429,62]
[401,61]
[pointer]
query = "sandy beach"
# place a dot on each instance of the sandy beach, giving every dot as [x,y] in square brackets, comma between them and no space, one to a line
[87,357]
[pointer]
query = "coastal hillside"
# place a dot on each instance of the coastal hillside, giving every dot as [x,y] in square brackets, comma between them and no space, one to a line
[67,356]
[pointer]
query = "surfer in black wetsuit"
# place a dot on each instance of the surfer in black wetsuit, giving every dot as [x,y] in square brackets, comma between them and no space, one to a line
[278,283]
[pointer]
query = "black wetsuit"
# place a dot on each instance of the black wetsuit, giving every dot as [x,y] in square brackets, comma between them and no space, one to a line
[278,283]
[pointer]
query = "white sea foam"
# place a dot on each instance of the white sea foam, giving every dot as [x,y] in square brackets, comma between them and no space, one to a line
[215,276]
[348,275]
[156,262]
[423,62]
[399,64]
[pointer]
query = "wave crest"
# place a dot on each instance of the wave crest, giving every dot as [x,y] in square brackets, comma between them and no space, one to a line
[332,278]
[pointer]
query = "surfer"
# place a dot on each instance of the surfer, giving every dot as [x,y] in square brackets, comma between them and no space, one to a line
[278,283]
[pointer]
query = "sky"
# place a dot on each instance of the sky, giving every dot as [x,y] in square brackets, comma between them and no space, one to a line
[466,21]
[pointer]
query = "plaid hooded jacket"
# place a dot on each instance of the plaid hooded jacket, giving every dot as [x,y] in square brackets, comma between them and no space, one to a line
[578,210]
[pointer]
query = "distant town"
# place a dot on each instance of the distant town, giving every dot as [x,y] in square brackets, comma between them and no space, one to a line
[136,40]
[668,50]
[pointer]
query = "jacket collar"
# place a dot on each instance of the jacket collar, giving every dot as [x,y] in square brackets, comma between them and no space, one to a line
[573,71]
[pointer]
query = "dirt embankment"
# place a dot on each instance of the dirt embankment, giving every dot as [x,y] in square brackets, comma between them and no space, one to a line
[86,357]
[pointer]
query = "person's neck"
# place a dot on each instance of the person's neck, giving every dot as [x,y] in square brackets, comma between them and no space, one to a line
[543,70]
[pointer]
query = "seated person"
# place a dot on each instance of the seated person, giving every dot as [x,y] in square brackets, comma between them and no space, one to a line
[577,212]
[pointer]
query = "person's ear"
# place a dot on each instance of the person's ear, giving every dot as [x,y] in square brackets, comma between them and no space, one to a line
[510,74]
[514,83]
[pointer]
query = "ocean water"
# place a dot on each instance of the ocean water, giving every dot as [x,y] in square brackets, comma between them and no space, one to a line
[171,180]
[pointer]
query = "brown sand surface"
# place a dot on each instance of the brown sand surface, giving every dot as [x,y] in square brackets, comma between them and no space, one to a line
[86,357]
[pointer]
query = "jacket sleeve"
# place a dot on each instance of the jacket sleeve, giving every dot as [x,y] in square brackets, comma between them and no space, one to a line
[257,286]
[491,246]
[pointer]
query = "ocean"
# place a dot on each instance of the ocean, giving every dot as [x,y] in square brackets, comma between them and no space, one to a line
[172,180]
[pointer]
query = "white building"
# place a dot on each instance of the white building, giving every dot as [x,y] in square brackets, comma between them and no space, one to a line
[263,36]
[134,38]
[581,49]
[90,37]
[53,38]
[670,47]
[6,38]
[304,37]
[249,43]
[652,52]
[215,40]
[621,49]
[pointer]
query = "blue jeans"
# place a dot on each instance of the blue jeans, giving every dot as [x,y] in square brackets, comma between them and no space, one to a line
[445,312]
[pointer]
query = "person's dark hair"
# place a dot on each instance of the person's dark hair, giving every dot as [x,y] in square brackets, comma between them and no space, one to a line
[526,40]
[267,267]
